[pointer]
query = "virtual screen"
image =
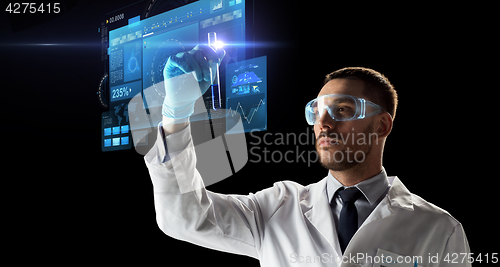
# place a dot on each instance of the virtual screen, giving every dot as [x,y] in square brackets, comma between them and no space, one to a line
[116,130]
[139,51]
[246,92]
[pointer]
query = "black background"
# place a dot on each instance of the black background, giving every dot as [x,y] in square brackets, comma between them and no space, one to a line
[66,201]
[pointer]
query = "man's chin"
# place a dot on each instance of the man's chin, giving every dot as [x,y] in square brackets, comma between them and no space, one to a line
[338,166]
[338,159]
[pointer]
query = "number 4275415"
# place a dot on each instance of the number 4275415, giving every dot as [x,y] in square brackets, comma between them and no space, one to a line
[23,8]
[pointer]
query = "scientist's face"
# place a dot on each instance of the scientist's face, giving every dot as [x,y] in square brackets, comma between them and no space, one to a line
[342,145]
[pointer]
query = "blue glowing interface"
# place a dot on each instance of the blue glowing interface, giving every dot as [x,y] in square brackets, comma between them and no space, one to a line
[246,93]
[115,130]
[138,53]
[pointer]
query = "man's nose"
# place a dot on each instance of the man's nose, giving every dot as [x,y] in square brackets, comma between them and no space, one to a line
[326,121]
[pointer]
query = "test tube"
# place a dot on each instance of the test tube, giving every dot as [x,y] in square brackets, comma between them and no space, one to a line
[214,73]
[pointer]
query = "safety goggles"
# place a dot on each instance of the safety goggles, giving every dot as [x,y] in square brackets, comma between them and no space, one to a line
[340,108]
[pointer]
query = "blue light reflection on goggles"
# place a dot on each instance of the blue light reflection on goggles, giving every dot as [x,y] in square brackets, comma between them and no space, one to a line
[340,108]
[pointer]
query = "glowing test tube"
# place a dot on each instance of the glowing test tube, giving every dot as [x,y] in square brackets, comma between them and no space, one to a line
[214,73]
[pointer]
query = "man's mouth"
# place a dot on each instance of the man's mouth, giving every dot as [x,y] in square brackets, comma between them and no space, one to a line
[326,142]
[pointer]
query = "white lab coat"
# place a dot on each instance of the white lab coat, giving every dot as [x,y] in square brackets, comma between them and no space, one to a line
[292,225]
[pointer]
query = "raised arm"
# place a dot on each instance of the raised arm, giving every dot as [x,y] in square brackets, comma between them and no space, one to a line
[185,210]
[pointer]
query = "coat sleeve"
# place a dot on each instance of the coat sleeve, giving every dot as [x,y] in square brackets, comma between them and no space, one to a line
[457,249]
[185,210]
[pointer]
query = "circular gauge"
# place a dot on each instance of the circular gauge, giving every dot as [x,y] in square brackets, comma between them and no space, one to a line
[166,49]
[132,64]
[103,91]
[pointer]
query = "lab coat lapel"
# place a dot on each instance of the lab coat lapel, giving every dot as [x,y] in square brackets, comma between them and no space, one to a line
[398,196]
[317,210]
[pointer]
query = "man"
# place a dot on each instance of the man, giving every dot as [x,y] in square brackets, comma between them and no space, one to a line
[354,216]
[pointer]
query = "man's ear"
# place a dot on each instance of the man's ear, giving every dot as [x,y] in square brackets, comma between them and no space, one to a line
[384,125]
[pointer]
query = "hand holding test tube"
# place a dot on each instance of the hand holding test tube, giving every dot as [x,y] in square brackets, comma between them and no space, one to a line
[187,76]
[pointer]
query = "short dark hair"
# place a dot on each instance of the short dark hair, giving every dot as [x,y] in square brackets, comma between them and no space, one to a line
[378,89]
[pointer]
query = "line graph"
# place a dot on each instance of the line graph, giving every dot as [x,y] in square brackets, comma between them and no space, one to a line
[251,114]
[252,110]
[246,93]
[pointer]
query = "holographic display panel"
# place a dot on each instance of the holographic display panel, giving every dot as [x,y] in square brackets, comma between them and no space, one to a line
[138,51]
[246,93]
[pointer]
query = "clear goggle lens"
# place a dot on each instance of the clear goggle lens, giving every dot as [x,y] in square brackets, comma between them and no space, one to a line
[340,108]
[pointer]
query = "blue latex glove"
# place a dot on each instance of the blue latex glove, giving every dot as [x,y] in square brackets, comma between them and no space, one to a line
[187,76]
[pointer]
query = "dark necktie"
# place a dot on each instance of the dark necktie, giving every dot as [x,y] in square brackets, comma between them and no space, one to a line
[348,221]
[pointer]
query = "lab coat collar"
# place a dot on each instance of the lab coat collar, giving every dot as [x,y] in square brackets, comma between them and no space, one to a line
[398,195]
[316,208]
